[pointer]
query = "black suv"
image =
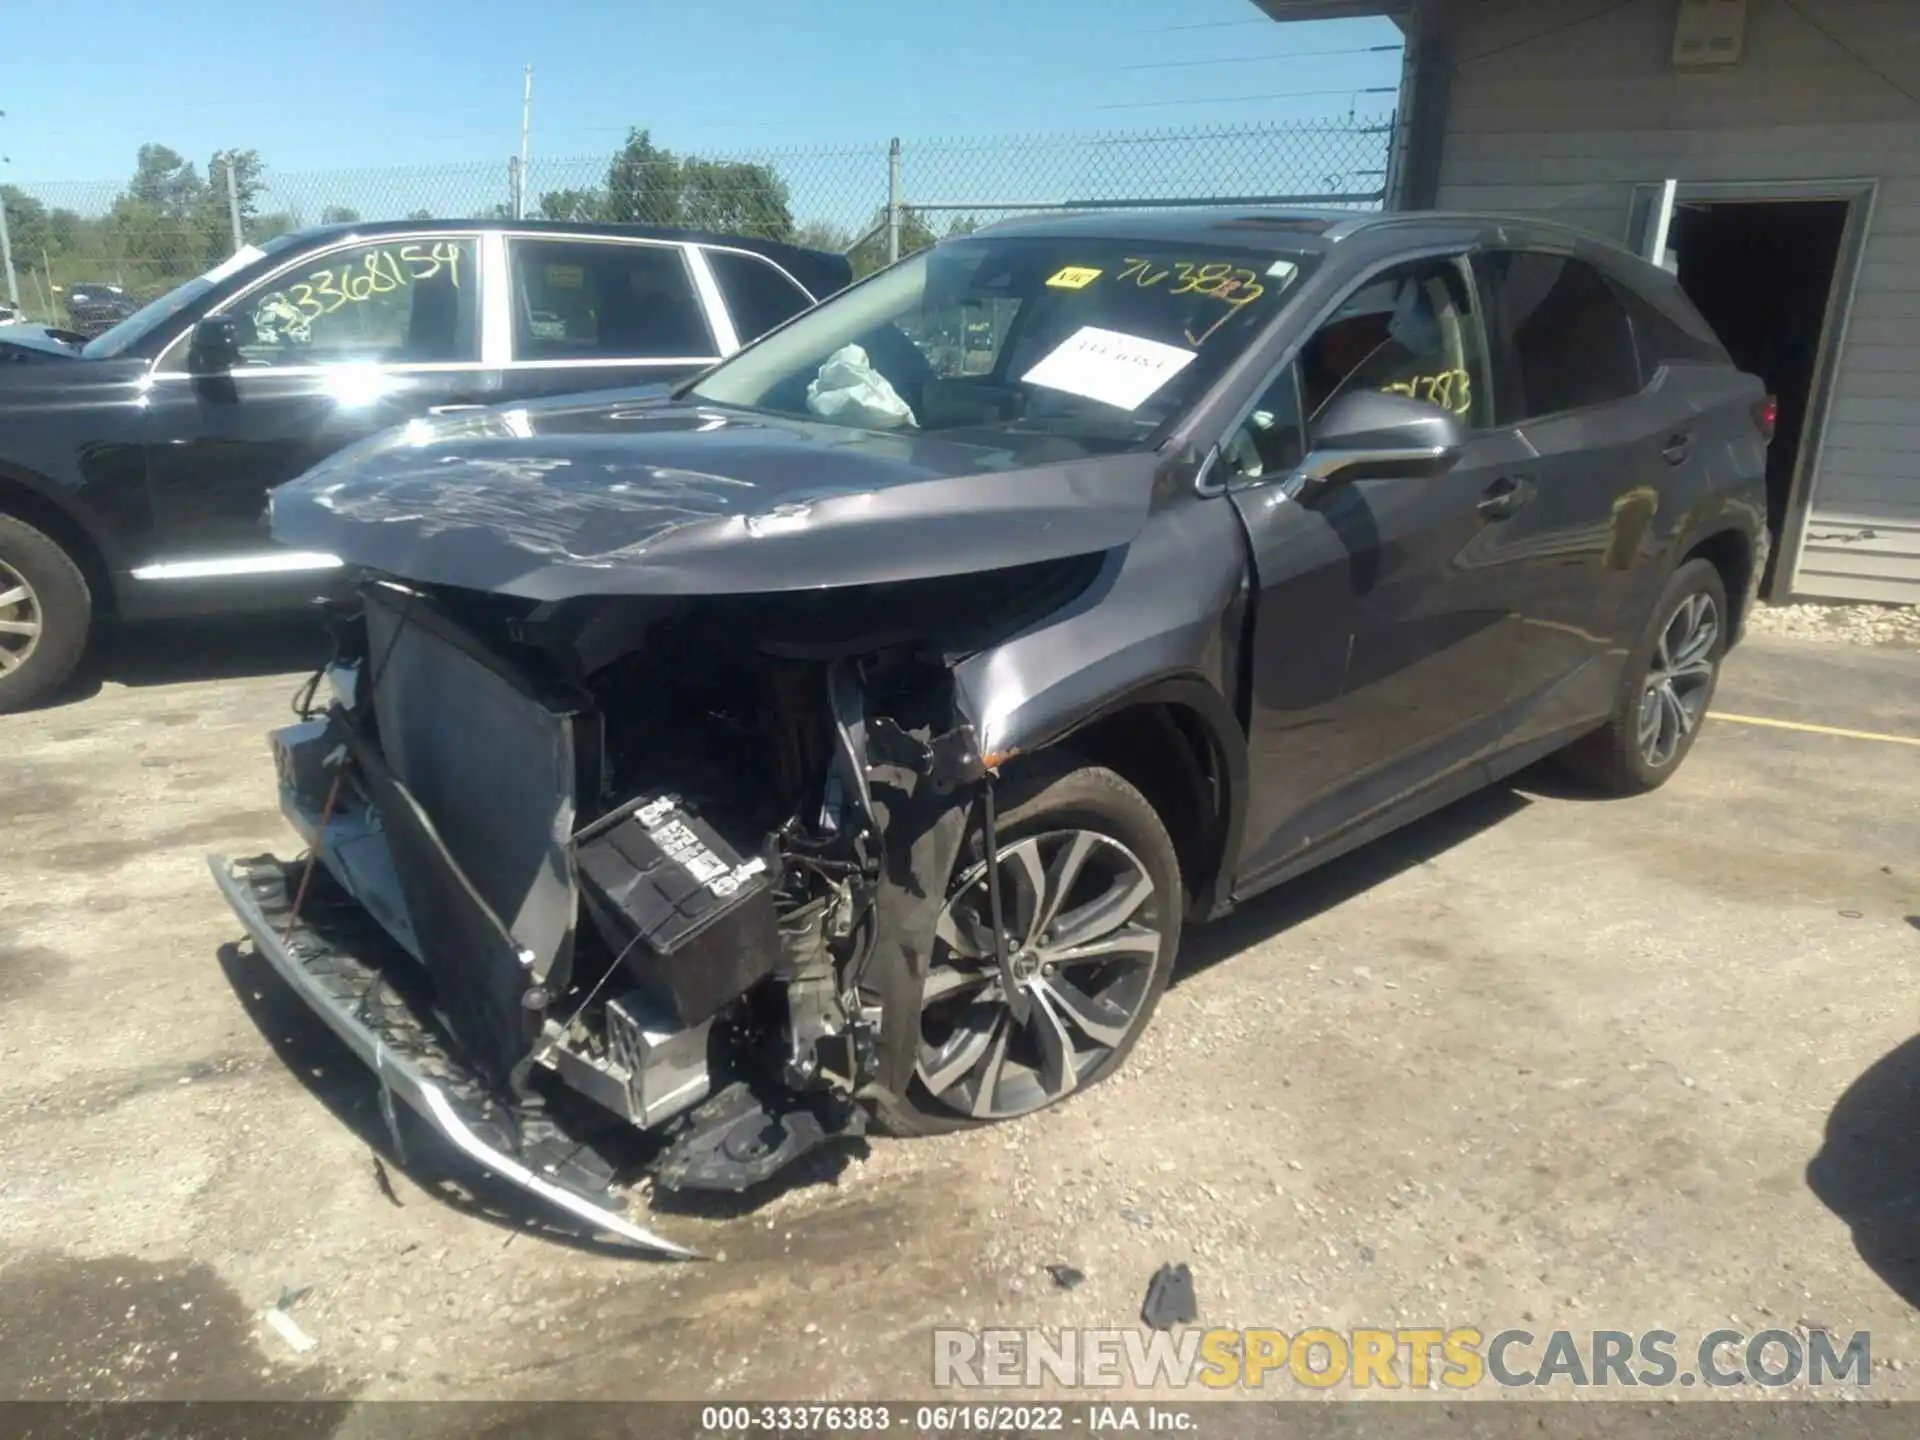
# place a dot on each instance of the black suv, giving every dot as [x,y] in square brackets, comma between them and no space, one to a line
[850,735]
[134,466]
[96,306]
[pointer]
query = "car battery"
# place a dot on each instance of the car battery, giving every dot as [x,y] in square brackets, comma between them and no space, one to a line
[692,922]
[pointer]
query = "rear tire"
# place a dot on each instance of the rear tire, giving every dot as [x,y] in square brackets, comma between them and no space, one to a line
[1092,903]
[1665,689]
[46,610]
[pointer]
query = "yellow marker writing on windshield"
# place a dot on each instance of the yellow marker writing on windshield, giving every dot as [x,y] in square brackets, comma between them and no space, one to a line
[1074,277]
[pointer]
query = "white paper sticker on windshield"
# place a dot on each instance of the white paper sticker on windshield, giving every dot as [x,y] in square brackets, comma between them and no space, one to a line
[1283,271]
[1109,366]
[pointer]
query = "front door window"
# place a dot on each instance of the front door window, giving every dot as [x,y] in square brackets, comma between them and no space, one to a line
[397,301]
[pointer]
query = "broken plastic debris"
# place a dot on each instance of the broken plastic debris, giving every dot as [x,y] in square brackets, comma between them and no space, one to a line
[284,1326]
[1170,1299]
[1066,1277]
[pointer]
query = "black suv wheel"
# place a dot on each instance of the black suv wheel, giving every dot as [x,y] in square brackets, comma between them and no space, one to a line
[45,609]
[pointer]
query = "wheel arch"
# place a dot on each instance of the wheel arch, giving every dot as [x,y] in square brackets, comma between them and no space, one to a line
[1176,741]
[35,505]
[1730,550]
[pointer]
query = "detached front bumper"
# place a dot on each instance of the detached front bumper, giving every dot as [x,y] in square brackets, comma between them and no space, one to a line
[407,1058]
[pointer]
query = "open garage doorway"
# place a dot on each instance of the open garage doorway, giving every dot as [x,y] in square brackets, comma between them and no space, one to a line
[1772,269]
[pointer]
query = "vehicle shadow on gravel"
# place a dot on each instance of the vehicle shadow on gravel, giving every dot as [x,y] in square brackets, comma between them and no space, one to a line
[172,652]
[1868,1168]
[1347,877]
[334,1075]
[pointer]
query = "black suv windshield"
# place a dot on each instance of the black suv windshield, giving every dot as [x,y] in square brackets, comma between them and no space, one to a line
[129,332]
[1090,341]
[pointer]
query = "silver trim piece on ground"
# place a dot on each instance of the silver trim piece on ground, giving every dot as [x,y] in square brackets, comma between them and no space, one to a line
[421,1095]
[269,562]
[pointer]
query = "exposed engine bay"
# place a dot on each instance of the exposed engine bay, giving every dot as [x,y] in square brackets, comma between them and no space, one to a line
[629,851]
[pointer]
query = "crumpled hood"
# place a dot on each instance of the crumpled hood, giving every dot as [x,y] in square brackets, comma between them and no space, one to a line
[635,496]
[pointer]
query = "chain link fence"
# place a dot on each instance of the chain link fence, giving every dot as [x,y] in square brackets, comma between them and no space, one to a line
[137,238]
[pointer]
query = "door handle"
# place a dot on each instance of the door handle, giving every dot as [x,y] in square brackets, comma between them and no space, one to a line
[1679,445]
[1504,496]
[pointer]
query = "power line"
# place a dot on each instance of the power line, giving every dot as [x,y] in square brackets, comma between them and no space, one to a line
[1250,59]
[1241,99]
[1850,52]
[1560,29]
[1202,25]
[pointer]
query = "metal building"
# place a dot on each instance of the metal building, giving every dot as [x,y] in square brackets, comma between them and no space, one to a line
[1769,150]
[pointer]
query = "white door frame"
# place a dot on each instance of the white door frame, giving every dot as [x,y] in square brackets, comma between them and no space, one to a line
[1655,202]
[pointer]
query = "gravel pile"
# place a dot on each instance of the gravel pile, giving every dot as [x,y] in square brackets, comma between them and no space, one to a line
[1848,624]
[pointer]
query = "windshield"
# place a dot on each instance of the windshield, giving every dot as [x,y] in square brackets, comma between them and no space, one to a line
[130,331]
[1086,344]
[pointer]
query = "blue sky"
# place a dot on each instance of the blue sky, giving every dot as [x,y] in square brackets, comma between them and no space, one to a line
[376,83]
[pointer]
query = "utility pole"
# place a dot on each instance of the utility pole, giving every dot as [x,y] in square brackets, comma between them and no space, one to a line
[6,242]
[233,205]
[893,201]
[6,252]
[526,127]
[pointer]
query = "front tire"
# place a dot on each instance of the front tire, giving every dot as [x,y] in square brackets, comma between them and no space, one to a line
[45,611]
[1092,906]
[1665,689]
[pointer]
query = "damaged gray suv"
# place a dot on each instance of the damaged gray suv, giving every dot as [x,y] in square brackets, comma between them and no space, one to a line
[845,737]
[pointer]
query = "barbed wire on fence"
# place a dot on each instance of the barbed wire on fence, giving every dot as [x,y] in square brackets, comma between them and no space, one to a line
[170,222]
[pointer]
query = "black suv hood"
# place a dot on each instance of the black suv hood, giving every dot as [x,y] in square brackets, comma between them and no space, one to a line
[636,496]
[38,342]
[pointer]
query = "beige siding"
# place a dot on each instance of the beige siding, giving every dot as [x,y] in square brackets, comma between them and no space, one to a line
[1550,115]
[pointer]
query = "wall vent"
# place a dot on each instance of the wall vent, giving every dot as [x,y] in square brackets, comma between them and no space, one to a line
[1709,32]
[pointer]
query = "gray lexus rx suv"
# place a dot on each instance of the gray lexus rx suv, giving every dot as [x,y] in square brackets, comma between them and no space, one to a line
[846,736]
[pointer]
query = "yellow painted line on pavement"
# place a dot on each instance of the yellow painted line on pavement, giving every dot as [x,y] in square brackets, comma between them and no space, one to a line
[1815,729]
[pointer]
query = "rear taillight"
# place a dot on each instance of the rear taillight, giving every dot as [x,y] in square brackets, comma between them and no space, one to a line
[1766,414]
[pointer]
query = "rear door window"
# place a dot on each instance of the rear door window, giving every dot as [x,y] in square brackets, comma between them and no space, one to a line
[758,295]
[605,300]
[1565,339]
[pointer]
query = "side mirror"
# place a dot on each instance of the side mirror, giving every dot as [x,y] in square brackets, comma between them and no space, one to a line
[1371,427]
[214,348]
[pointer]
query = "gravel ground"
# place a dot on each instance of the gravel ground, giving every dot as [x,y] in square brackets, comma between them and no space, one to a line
[1537,1060]
[1851,624]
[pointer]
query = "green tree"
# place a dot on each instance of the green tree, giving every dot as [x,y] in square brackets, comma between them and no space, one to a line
[736,197]
[577,204]
[420,214]
[963,225]
[648,185]
[823,235]
[29,229]
[871,253]
[165,181]
[265,227]
[339,215]
[643,183]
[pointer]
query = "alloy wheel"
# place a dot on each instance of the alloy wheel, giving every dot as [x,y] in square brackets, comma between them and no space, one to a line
[1083,928]
[1679,679]
[20,620]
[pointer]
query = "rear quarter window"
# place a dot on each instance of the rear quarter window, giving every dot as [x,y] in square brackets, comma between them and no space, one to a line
[758,296]
[1667,329]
